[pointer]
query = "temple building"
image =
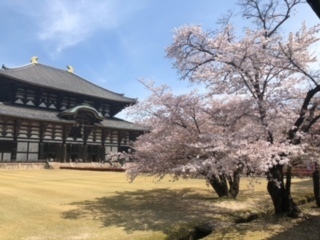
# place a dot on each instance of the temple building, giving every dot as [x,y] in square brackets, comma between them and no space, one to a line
[52,114]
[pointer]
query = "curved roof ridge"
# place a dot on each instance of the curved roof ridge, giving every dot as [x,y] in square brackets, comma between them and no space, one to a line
[4,67]
[66,71]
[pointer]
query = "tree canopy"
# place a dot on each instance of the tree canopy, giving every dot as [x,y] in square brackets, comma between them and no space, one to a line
[260,103]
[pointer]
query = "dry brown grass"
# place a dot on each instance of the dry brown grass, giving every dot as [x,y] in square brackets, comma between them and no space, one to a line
[68,204]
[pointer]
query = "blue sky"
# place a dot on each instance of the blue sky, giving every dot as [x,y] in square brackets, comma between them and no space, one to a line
[111,43]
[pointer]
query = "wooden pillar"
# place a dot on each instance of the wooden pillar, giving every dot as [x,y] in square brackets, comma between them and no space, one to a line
[85,152]
[66,131]
[119,140]
[86,133]
[121,136]
[102,153]
[41,150]
[104,135]
[17,125]
[42,130]
[63,152]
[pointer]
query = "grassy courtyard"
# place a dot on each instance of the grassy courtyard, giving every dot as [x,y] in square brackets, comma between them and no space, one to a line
[76,205]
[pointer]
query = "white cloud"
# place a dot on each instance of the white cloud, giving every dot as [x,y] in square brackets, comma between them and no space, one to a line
[65,23]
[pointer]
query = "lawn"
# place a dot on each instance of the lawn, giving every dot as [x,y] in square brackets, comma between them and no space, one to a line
[76,205]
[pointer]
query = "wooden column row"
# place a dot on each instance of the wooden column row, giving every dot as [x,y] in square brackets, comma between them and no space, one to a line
[26,130]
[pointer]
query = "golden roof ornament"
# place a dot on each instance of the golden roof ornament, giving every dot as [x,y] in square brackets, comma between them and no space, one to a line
[70,69]
[34,60]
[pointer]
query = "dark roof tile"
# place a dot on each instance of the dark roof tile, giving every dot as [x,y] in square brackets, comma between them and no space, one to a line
[62,80]
[52,116]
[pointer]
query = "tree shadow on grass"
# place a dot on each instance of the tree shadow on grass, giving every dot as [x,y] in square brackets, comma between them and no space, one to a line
[280,227]
[272,227]
[307,229]
[156,210]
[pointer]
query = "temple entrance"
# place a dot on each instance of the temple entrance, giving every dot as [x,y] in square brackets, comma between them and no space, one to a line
[74,153]
[94,153]
[51,152]
[83,153]
[70,152]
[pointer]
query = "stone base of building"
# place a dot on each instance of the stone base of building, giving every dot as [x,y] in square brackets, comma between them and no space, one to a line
[58,165]
[23,166]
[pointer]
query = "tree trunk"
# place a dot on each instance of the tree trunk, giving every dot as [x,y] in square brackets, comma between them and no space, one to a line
[316,185]
[234,183]
[281,193]
[220,185]
[226,185]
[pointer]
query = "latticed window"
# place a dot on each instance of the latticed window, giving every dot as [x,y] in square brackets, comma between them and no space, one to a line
[20,96]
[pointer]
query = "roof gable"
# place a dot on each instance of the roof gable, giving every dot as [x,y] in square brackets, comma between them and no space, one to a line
[82,113]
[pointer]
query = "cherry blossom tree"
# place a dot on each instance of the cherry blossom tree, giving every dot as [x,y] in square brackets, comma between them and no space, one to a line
[194,134]
[266,68]
[188,137]
[256,116]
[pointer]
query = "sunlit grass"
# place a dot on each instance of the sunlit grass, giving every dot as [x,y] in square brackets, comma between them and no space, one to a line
[68,204]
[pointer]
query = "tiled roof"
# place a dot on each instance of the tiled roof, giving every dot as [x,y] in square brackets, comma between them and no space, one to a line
[62,80]
[117,123]
[52,116]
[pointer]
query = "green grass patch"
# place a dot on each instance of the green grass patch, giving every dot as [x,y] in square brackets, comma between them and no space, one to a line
[68,204]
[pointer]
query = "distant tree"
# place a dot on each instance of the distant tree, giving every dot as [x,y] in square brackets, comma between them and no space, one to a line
[270,70]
